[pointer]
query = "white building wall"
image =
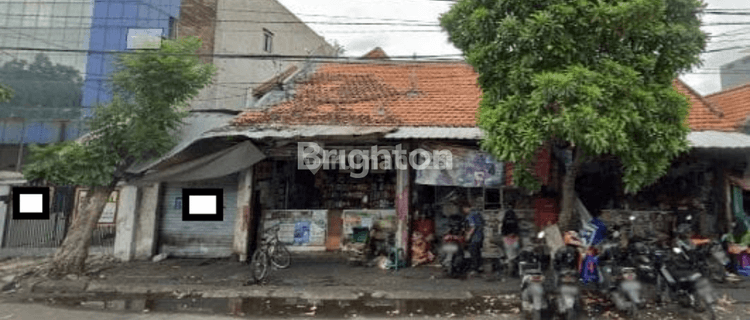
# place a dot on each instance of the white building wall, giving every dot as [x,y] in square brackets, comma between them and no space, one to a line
[239,30]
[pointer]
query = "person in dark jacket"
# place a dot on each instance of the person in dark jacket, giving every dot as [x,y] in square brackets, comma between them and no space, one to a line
[474,236]
[510,222]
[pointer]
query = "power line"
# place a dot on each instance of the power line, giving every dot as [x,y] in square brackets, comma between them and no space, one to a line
[725,24]
[222,55]
[228,20]
[348,31]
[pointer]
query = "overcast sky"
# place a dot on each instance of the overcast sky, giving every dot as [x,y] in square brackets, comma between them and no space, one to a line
[359,39]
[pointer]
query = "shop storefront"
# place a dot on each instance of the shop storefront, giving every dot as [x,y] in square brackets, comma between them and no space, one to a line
[319,210]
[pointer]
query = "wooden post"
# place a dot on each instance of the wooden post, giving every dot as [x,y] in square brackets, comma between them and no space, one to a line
[728,204]
[242,222]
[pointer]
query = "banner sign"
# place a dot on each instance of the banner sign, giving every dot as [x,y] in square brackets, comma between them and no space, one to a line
[298,227]
[469,168]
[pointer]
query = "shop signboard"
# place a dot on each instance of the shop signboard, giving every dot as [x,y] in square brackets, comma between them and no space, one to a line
[468,168]
[110,209]
[299,227]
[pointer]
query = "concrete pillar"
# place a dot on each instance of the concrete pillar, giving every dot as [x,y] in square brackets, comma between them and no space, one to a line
[242,223]
[402,200]
[126,223]
[148,217]
[728,207]
[5,210]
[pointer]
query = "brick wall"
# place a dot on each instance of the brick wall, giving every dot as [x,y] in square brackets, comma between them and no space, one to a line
[198,19]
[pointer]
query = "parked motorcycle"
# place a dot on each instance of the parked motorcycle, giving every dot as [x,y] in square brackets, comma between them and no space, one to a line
[451,251]
[679,281]
[531,264]
[708,255]
[640,256]
[619,277]
[566,281]
[507,263]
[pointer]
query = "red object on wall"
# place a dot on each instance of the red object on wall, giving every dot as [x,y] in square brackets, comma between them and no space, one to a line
[542,165]
[425,226]
[545,211]
[508,173]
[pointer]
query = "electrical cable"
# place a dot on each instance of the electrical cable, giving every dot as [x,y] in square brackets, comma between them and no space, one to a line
[222,55]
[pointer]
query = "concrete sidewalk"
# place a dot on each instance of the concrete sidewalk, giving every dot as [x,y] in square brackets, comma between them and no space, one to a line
[311,276]
[315,277]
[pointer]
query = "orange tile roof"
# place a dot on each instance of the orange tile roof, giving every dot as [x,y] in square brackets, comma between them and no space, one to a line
[735,103]
[435,94]
[704,114]
[379,94]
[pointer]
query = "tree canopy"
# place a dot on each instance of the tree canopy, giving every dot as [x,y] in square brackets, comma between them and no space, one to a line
[594,74]
[151,89]
[44,84]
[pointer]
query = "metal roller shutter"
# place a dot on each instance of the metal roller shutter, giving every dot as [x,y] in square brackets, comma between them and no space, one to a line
[197,239]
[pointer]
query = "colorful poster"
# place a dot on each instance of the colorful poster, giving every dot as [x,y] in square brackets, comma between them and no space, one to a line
[302,232]
[466,168]
[299,227]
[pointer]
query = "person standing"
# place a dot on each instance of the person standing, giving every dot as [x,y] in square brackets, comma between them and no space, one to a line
[474,236]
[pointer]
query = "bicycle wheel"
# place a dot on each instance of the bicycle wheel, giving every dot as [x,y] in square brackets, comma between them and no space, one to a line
[259,265]
[280,256]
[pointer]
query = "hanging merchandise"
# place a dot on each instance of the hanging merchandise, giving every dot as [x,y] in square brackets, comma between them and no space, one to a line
[589,270]
[739,212]
[743,263]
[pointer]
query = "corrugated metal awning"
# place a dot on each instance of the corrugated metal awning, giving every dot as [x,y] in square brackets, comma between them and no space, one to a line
[718,140]
[290,132]
[463,133]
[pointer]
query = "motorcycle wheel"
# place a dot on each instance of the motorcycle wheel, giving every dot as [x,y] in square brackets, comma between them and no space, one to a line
[662,293]
[712,312]
[572,314]
[716,272]
[536,314]
[633,312]
[457,266]
[699,305]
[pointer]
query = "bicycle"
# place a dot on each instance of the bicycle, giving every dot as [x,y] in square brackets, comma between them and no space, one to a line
[271,251]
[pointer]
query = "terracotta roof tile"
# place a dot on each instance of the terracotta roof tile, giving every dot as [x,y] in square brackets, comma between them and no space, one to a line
[735,103]
[435,94]
[409,94]
[704,114]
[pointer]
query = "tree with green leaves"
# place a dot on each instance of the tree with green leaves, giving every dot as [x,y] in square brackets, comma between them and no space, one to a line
[42,84]
[6,93]
[594,76]
[151,90]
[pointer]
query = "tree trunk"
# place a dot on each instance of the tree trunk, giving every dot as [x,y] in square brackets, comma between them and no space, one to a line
[569,191]
[70,258]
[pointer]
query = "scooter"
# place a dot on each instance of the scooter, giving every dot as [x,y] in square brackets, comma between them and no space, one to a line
[679,281]
[566,280]
[507,263]
[451,250]
[709,255]
[531,267]
[620,281]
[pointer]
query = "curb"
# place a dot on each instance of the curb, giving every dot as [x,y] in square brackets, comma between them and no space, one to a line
[205,291]
[59,286]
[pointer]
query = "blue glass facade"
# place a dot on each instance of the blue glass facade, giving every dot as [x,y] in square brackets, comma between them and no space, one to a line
[99,26]
[109,30]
